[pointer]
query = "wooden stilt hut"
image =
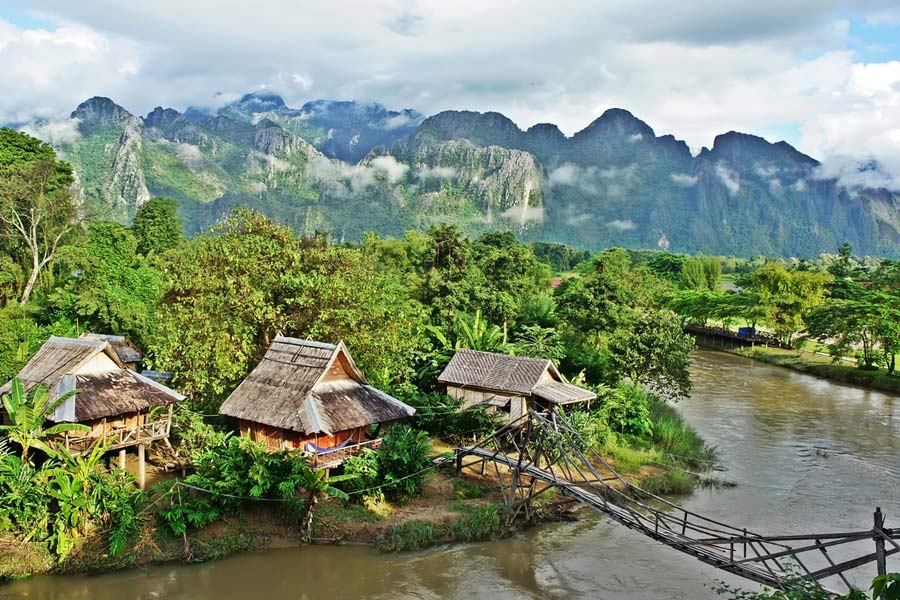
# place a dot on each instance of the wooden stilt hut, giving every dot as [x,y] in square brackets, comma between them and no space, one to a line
[509,384]
[122,408]
[311,396]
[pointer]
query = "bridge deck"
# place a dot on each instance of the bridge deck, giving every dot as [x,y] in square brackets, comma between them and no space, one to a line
[547,449]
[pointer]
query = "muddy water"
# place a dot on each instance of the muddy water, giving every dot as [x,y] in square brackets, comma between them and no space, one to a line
[808,455]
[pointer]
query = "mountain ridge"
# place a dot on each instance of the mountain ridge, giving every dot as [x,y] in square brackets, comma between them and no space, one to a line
[614,182]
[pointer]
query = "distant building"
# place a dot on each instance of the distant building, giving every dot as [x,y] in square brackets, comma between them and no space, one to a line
[124,348]
[311,396]
[509,384]
[111,399]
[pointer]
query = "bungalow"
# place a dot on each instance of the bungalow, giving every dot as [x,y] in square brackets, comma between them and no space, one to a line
[111,399]
[311,396]
[511,384]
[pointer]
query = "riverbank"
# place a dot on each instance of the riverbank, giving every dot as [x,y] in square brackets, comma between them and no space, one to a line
[450,508]
[820,366]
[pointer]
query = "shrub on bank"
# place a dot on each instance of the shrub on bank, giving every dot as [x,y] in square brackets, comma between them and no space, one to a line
[477,524]
[397,469]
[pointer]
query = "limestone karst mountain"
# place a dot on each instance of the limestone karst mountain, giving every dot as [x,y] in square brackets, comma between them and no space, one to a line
[348,167]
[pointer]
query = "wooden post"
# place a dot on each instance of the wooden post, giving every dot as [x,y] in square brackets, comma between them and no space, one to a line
[880,559]
[122,458]
[142,467]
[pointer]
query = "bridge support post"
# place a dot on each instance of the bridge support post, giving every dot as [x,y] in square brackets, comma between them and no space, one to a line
[880,558]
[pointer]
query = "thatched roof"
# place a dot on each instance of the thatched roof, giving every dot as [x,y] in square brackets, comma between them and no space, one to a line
[519,375]
[105,392]
[289,389]
[124,348]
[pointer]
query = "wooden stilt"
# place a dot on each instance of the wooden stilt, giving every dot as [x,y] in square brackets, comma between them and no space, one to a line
[122,459]
[142,467]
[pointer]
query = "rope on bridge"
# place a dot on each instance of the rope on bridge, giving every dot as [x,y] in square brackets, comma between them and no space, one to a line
[543,451]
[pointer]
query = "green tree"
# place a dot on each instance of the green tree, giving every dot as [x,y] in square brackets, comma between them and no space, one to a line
[865,319]
[28,412]
[231,290]
[116,290]
[37,206]
[785,296]
[654,351]
[157,226]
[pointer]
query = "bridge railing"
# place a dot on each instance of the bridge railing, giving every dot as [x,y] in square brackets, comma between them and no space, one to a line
[545,448]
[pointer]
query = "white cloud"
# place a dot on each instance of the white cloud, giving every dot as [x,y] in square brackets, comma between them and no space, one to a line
[799,185]
[766,171]
[729,178]
[695,70]
[426,172]
[622,225]
[635,137]
[54,132]
[303,80]
[683,179]
[390,166]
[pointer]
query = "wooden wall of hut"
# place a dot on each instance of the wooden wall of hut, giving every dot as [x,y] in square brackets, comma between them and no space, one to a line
[283,439]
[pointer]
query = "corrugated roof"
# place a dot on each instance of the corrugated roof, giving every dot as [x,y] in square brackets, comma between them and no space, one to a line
[102,394]
[284,391]
[511,374]
[560,392]
[492,371]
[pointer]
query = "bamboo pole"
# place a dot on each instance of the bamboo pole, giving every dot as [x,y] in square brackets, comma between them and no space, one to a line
[142,467]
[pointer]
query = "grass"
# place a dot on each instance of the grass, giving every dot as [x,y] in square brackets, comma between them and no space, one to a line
[477,523]
[815,365]
[466,490]
[411,535]
[669,482]
[664,461]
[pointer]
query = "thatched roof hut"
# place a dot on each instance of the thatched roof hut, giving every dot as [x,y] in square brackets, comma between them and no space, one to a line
[508,382]
[106,388]
[309,392]
[111,399]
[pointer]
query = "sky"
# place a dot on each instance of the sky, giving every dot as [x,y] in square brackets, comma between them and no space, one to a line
[823,75]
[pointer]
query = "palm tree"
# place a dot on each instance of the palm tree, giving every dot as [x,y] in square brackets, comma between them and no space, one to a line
[28,412]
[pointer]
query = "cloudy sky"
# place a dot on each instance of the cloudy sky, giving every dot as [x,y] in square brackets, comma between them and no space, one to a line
[822,74]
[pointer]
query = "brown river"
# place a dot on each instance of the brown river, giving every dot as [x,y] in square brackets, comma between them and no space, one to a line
[807,455]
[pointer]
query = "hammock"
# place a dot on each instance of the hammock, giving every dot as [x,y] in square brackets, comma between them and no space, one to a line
[310,447]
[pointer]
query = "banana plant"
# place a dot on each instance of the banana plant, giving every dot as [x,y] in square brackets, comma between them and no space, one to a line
[319,485]
[28,412]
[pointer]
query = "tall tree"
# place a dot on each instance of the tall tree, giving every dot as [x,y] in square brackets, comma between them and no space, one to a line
[786,295]
[157,226]
[37,204]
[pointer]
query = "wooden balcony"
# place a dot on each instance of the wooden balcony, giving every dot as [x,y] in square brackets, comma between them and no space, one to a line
[115,438]
[334,457]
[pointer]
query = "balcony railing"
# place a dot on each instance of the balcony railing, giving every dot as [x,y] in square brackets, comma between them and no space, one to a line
[116,437]
[332,457]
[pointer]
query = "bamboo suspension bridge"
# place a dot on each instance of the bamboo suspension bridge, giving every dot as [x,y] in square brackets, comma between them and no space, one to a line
[541,451]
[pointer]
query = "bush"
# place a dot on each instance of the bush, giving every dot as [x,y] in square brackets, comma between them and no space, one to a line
[397,469]
[61,503]
[235,474]
[626,409]
[442,415]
